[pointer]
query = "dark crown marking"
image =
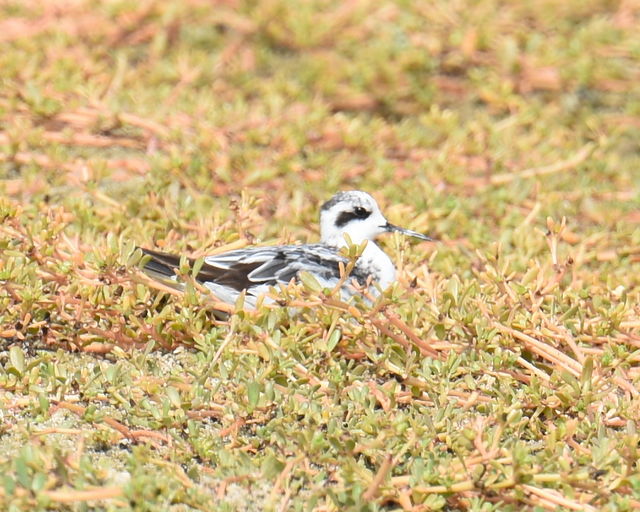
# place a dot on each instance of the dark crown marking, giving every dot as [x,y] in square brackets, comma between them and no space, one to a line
[339,197]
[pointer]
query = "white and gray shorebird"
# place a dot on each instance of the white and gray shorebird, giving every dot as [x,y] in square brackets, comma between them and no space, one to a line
[256,270]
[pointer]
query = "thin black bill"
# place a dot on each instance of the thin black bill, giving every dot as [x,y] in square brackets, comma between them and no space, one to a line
[392,227]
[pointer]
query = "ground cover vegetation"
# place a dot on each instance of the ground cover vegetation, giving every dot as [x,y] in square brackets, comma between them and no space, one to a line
[501,371]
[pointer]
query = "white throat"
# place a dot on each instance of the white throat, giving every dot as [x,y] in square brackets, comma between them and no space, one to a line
[338,240]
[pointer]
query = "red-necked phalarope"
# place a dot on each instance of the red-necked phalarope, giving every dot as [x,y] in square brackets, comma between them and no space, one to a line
[257,269]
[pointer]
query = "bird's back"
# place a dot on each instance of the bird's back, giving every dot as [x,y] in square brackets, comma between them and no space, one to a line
[256,269]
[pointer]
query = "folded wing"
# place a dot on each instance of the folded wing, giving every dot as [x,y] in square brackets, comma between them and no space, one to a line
[256,267]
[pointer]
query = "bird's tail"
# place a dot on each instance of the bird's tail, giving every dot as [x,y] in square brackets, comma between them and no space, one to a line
[162,266]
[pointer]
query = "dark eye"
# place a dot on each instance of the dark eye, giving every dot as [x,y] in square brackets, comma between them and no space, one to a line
[360,212]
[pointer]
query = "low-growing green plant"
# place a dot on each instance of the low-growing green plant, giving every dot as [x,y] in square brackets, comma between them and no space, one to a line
[499,373]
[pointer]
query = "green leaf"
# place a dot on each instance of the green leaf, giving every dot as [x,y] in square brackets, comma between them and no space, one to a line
[39,481]
[197,266]
[9,485]
[174,396]
[310,282]
[253,394]
[16,356]
[271,466]
[43,402]
[453,287]
[333,340]
[587,372]
[22,473]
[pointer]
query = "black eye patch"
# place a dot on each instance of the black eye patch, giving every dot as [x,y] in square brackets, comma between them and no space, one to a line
[357,213]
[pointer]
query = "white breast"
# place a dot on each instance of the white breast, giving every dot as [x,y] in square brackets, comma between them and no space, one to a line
[375,262]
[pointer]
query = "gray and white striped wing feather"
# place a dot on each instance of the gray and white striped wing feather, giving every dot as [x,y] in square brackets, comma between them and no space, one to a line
[257,269]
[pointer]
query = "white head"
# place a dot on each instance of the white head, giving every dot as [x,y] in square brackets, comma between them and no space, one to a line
[357,214]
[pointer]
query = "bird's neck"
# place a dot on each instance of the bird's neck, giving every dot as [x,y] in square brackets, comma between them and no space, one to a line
[339,241]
